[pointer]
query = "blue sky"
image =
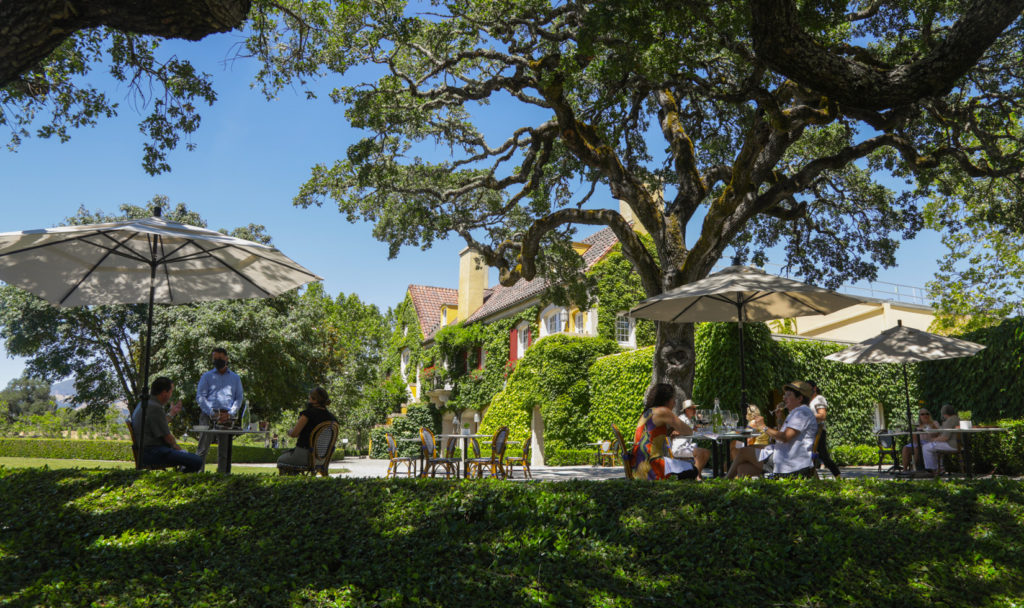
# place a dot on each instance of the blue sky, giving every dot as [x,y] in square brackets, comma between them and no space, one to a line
[251,158]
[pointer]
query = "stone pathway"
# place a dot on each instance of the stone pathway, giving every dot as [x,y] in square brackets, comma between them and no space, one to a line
[365,467]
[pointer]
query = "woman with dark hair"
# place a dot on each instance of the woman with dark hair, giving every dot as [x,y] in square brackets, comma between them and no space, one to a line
[944,442]
[651,455]
[315,413]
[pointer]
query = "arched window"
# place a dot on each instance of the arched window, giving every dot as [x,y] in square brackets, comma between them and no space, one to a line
[522,339]
[554,320]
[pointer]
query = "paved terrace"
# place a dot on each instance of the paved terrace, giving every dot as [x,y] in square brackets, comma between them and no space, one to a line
[365,467]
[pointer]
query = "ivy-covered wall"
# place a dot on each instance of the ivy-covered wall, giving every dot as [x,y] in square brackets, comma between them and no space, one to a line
[405,334]
[553,375]
[618,383]
[990,384]
[474,388]
[617,289]
[407,426]
[617,387]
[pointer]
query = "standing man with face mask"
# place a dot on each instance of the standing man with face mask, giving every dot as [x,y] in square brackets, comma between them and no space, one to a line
[219,397]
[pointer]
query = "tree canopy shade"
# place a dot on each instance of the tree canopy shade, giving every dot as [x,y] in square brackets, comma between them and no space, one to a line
[714,123]
[47,47]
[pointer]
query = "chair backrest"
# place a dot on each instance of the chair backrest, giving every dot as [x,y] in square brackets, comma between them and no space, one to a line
[606,445]
[449,447]
[392,447]
[427,442]
[135,446]
[627,460]
[526,447]
[498,443]
[322,440]
[886,442]
[476,447]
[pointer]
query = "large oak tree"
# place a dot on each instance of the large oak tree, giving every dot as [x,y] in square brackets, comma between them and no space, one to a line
[743,125]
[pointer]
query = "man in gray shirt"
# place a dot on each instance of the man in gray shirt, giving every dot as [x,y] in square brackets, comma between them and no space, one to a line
[158,447]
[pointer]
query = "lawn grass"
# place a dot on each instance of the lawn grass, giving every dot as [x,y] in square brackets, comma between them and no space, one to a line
[125,538]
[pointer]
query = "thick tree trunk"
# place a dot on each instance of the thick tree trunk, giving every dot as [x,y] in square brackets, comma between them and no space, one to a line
[31,29]
[674,358]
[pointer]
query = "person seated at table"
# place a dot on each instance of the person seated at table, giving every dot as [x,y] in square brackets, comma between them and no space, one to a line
[925,422]
[948,442]
[651,456]
[794,440]
[158,447]
[315,413]
[683,447]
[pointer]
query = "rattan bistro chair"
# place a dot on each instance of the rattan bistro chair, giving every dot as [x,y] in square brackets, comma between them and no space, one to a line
[496,461]
[396,460]
[522,462]
[606,455]
[627,458]
[138,457]
[321,441]
[431,462]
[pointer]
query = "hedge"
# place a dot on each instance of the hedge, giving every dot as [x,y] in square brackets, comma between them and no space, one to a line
[416,416]
[118,538]
[554,376]
[617,387]
[87,449]
[990,384]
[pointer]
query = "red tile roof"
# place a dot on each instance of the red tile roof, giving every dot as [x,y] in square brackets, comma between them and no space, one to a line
[428,301]
[502,298]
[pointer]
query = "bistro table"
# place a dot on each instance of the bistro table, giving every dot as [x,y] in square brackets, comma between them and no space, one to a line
[897,468]
[965,435]
[720,447]
[224,444]
[465,447]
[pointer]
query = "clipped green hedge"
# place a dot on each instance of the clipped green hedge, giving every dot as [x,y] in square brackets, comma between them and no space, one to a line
[566,457]
[617,387]
[554,376]
[416,416]
[87,449]
[990,384]
[120,538]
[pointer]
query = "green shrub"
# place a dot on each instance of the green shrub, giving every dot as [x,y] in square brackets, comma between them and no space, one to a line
[854,455]
[408,426]
[1002,453]
[87,449]
[120,538]
[565,457]
[554,376]
[617,387]
[991,383]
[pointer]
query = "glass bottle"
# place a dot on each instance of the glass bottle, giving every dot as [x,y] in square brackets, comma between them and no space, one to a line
[716,417]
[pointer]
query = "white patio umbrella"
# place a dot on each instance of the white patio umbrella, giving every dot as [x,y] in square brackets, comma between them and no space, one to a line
[906,345]
[741,294]
[149,260]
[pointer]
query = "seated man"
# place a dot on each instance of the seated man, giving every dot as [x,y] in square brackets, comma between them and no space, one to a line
[946,442]
[683,447]
[158,446]
[794,441]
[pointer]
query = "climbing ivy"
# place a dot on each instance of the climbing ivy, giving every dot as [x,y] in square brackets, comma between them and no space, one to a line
[989,384]
[405,334]
[554,377]
[618,289]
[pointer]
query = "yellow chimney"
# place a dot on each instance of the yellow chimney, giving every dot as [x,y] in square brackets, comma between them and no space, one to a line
[627,213]
[472,283]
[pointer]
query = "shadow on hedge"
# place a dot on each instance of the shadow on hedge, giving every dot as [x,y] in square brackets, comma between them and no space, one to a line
[75,537]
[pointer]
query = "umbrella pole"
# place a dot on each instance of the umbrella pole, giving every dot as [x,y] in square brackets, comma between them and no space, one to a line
[915,442]
[145,364]
[743,364]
